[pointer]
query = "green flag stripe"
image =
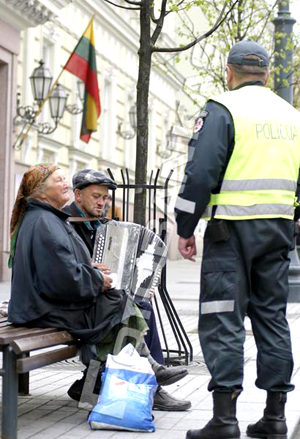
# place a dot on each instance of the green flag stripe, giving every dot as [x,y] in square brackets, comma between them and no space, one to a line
[86,50]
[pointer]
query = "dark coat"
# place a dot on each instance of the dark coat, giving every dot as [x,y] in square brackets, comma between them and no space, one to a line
[53,282]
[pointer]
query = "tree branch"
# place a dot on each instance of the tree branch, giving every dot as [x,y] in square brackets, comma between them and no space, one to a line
[200,38]
[160,23]
[122,7]
[178,4]
[132,2]
[267,21]
[152,15]
[215,73]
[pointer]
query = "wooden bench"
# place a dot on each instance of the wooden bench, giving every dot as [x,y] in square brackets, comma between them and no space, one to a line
[17,344]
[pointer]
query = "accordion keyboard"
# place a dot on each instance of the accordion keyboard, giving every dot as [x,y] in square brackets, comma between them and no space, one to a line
[136,254]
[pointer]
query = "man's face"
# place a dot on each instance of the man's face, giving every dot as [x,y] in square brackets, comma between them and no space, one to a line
[91,199]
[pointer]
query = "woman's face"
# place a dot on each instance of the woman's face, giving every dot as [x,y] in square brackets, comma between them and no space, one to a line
[56,190]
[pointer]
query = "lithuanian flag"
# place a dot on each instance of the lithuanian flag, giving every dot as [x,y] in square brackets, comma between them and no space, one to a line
[82,63]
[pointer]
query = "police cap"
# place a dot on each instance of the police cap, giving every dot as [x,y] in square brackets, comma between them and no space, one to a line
[242,49]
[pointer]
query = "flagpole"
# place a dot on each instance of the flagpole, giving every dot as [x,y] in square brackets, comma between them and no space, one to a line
[25,135]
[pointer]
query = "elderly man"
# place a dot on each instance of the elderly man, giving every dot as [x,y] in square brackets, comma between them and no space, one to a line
[90,193]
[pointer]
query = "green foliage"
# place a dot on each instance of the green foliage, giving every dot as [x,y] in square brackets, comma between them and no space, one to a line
[251,20]
[174,8]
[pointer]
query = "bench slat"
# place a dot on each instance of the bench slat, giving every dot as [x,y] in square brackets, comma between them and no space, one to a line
[25,365]
[11,333]
[41,341]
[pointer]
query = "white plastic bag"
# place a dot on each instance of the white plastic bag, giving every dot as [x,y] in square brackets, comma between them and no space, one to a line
[127,392]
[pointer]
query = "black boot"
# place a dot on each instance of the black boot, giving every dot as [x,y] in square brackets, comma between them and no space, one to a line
[273,424]
[224,424]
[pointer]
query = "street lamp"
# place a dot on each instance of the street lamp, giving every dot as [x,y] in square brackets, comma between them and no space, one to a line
[176,140]
[283,78]
[132,117]
[57,103]
[41,80]
[129,133]
[284,88]
[81,89]
[73,108]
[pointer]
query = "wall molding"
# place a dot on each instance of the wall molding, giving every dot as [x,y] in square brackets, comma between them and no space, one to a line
[22,14]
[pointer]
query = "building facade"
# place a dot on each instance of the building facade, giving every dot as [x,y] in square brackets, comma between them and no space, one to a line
[36,30]
[15,17]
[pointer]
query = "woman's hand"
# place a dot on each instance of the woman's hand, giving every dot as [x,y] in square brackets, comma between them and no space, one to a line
[104,268]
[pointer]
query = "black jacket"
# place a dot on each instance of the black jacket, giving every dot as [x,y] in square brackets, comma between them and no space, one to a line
[51,267]
[209,151]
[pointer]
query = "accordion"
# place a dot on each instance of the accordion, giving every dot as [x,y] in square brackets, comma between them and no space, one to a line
[134,254]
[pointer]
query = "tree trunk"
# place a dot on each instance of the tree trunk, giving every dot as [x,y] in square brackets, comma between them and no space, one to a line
[145,53]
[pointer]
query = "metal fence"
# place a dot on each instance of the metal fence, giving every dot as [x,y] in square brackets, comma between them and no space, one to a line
[157,220]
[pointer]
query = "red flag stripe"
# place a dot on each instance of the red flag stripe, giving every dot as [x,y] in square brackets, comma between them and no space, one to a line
[81,68]
[85,137]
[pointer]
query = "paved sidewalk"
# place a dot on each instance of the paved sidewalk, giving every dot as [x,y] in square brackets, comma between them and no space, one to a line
[49,413]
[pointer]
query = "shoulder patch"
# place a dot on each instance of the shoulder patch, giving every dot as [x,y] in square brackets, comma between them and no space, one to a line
[200,121]
[198,125]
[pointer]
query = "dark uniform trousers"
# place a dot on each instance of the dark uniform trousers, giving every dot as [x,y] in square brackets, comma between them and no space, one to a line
[247,274]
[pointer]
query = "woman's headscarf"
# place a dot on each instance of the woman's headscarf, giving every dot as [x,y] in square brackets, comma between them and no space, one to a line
[32,180]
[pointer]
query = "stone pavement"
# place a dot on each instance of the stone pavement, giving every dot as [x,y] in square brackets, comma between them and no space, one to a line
[49,413]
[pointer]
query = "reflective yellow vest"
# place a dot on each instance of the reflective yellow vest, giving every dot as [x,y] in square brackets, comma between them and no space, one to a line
[261,177]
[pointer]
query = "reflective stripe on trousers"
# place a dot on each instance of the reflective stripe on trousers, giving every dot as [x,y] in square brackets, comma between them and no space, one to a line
[217,306]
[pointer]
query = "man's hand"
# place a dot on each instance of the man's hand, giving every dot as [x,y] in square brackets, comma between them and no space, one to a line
[187,247]
[104,268]
[107,282]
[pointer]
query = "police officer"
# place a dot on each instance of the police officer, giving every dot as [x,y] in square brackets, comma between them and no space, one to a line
[242,173]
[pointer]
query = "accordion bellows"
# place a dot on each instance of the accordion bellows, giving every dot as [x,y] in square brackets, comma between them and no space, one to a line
[134,253]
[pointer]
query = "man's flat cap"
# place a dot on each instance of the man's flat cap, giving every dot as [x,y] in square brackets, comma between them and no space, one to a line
[241,49]
[86,177]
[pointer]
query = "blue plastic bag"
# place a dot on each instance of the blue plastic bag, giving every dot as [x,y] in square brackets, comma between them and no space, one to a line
[127,392]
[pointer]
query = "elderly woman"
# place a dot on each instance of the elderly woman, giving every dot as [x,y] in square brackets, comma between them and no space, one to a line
[53,281]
